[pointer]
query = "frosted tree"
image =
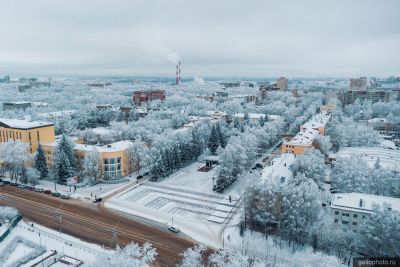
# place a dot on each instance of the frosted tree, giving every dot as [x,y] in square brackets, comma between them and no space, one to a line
[132,255]
[15,157]
[66,145]
[221,135]
[301,206]
[135,154]
[351,175]
[8,213]
[40,162]
[92,165]
[193,257]
[324,144]
[381,232]
[32,176]
[63,170]
[312,165]
[213,140]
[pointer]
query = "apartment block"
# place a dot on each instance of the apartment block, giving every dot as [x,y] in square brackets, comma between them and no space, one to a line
[144,97]
[349,210]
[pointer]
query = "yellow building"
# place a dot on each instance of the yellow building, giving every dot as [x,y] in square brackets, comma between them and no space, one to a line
[31,132]
[114,160]
[304,139]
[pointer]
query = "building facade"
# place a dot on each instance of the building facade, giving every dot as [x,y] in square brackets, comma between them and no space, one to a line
[31,132]
[349,210]
[16,105]
[144,97]
[373,95]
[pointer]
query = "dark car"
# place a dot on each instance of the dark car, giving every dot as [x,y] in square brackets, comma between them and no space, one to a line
[6,182]
[13,183]
[56,194]
[139,177]
[47,192]
[31,188]
[97,200]
[1,180]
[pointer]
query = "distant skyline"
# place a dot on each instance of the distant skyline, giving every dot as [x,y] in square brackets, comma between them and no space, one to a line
[310,38]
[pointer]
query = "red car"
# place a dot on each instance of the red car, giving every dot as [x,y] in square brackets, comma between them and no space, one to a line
[47,192]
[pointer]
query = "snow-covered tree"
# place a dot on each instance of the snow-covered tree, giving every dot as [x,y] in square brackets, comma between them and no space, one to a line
[132,255]
[213,140]
[193,257]
[312,165]
[63,170]
[351,175]
[15,157]
[324,144]
[32,176]
[8,213]
[381,233]
[92,165]
[40,162]
[66,145]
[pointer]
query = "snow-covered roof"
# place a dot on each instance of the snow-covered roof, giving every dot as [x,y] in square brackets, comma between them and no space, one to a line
[18,102]
[101,130]
[277,168]
[317,121]
[113,147]
[216,113]
[362,202]
[57,114]
[252,116]
[388,158]
[310,130]
[23,124]
[375,120]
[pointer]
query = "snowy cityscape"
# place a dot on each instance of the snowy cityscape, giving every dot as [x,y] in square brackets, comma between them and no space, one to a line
[220,135]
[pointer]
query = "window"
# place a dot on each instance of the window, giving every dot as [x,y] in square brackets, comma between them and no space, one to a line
[336,220]
[355,215]
[346,214]
[354,223]
[112,168]
[336,212]
[345,222]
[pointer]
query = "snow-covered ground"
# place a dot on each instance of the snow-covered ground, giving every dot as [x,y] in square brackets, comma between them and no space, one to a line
[186,198]
[52,241]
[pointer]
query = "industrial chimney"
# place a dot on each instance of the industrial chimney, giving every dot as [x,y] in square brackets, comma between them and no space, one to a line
[178,73]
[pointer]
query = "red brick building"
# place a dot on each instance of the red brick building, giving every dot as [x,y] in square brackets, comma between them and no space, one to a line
[143,97]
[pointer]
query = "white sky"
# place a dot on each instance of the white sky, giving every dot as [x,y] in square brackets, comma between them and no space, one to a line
[254,38]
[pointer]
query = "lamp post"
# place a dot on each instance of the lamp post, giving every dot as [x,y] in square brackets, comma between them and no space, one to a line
[59,218]
[213,181]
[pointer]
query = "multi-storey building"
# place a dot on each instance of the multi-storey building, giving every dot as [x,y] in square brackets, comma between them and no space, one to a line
[304,140]
[351,209]
[373,95]
[358,83]
[282,84]
[16,105]
[31,132]
[144,97]
[114,160]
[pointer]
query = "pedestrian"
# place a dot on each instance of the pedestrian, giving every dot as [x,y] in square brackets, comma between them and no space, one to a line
[230,199]
[91,194]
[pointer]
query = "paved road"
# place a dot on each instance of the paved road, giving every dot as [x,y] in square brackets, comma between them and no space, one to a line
[93,223]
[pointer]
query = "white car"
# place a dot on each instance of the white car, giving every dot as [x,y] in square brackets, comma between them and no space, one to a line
[174,229]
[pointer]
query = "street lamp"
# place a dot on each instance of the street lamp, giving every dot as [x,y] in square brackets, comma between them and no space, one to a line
[59,218]
[213,181]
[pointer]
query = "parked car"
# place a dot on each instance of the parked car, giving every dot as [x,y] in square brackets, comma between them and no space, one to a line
[97,200]
[1,180]
[174,229]
[21,186]
[39,190]
[56,194]
[139,177]
[65,196]
[31,188]
[47,192]
[13,183]
[6,182]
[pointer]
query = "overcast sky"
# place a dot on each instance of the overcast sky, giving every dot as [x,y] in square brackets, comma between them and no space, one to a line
[332,38]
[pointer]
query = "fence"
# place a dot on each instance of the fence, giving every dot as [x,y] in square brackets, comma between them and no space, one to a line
[12,225]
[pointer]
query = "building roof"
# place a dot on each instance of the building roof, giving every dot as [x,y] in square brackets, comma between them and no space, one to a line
[113,147]
[277,168]
[17,102]
[362,202]
[310,130]
[388,158]
[23,124]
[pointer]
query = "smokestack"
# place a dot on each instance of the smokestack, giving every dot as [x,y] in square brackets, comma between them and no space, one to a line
[177,74]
